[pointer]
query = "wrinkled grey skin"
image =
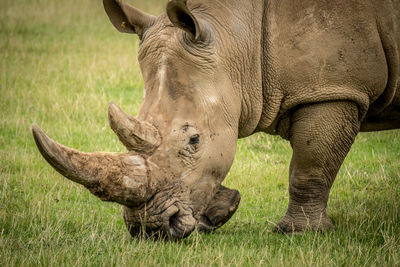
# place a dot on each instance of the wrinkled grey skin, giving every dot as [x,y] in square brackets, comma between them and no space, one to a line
[314,72]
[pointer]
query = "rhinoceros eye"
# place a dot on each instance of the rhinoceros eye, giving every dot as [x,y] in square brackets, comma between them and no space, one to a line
[194,139]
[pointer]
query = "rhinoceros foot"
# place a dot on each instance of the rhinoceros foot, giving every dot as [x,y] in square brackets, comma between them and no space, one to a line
[291,225]
[220,210]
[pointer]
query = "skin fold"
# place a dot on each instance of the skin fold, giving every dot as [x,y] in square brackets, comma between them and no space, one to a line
[314,72]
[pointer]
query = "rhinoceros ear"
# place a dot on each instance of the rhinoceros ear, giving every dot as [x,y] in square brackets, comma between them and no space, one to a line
[180,15]
[126,18]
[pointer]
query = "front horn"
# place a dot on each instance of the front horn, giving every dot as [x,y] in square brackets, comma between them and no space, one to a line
[137,136]
[121,178]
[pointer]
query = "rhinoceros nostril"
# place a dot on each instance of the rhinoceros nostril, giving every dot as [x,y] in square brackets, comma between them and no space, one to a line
[178,227]
[173,225]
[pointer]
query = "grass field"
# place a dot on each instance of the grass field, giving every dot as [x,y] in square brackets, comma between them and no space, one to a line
[61,63]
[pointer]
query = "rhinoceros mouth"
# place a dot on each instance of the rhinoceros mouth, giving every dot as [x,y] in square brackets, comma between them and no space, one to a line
[175,222]
[168,213]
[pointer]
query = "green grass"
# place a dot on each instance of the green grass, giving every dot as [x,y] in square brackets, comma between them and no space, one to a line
[61,63]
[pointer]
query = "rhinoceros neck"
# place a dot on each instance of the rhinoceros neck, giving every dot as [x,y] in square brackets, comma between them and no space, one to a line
[242,27]
[248,56]
[250,76]
[240,39]
[271,93]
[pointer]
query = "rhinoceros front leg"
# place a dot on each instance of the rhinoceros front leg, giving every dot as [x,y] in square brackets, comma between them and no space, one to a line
[220,210]
[321,136]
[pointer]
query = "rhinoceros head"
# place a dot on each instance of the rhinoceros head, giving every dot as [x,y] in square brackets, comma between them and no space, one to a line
[183,140]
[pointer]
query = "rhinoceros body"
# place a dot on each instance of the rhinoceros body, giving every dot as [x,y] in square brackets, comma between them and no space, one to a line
[314,72]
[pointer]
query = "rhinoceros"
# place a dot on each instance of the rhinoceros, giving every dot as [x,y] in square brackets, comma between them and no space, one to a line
[314,72]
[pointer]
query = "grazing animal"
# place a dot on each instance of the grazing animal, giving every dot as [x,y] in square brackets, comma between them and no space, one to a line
[314,72]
